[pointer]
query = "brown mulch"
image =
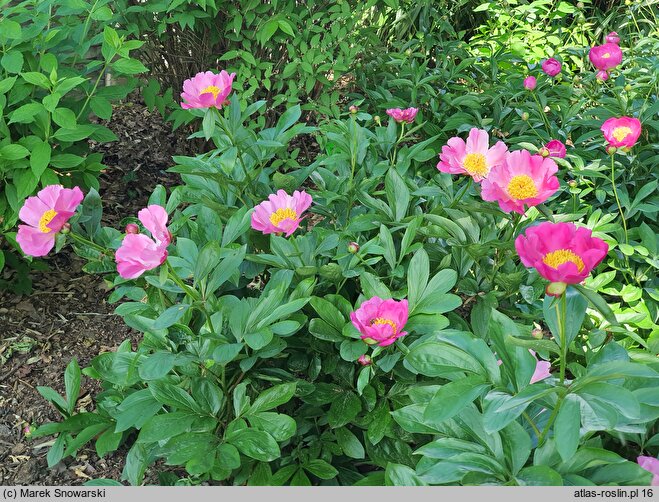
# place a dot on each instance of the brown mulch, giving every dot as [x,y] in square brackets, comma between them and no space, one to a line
[68,316]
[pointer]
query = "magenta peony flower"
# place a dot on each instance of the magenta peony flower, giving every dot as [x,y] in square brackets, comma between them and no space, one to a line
[206,90]
[605,57]
[561,252]
[45,215]
[623,131]
[281,213]
[612,38]
[380,321]
[530,82]
[474,158]
[541,369]
[138,252]
[556,149]
[522,179]
[408,115]
[650,464]
[551,67]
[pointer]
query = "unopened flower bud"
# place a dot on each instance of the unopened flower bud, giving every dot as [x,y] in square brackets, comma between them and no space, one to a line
[580,5]
[525,116]
[377,120]
[66,228]
[353,109]
[408,52]
[572,183]
[611,150]
[353,248]
[537,334]
[365,360]
[27,431]
[628,87]
[602,76]
[544,152]
[555,288]
[131,228]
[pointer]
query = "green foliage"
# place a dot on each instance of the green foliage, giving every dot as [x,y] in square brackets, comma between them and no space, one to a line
[53,58]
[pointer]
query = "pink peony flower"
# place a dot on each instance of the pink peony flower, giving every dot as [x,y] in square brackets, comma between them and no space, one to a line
[138,252]
[541,369]
[474,158]
[408,115]
[206,90]
[612,38]
[380,321]
[551,67]
[650,464]
[561,252]
[530,82]
[623,131]
[556,149]
[45,215]
[281,213]
[605,57]
[522,179]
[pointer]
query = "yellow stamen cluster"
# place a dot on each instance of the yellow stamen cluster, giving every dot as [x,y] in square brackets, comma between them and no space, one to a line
[606,55]
[214,90]
[621,133]
[561,256]
[282,214]
[45,219]
[474,163]
[381,320]
[522,187]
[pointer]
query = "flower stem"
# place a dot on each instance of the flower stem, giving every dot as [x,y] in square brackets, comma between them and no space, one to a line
[464,190]
[542,114]
[561,310]
[615,194]
[87,242]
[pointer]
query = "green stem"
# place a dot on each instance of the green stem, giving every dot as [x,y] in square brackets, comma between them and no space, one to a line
[87,242]
[89,96]
[465,189]
[226,130]
[192,293]
[400,138]
[531,423]
[542,114]
[561,310]
[550,422]
[615,194]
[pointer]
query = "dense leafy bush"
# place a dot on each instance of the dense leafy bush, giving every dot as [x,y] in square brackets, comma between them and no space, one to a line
[54,58]
[389,323]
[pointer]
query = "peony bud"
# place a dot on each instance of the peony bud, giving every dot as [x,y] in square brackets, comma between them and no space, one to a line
[66,228]
[353,248]
[555,288]
[580,5]
[377,120]
[544,152]
[611,150]
[612,38]
[572,183]
[353,109]
[365,360]
[628,88]
[525,116]
[537,334]
[131,228]
[602,75]
[530,82]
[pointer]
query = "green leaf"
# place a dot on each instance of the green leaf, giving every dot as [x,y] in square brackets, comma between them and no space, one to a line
[350,350]
[539,475]
[172,395]
[401,475]
[281,427]
[129,66]
[344,409]
[575,305]
[13,152]
[12,61]
[255,444]
[567,426]
[56,451]
[72,384]
[171,316]
[398,194]
[417,276]
[36,78]
[135,410]
[226,353]
[321,469]
[165,426]
[108,442]
[453,397]
[40,158]
[273,397]
[328,312]
[53,397]
[25,114]
[65,118]
[349,443]
[598,302]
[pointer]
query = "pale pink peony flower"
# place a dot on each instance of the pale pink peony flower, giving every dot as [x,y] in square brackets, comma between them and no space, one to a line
[206,90]
[541,369]
[561,252]
[556,149]
[281,213]
[407,115]
[605,57]
[45,215]
[650,464]
[551,67]
[473,157]
[138,252]
[522,179]
[612,38]
[623,131]
[380,321]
